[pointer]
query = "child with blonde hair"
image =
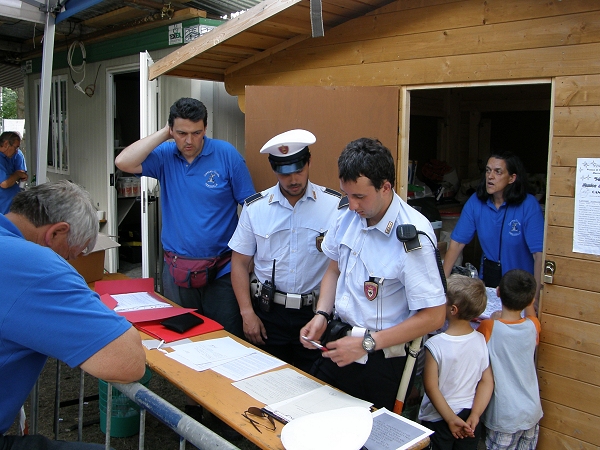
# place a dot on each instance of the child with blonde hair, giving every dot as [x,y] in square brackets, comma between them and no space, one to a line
[458,379]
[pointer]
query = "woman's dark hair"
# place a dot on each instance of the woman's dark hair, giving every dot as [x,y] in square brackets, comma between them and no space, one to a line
[515,192]
[367,158]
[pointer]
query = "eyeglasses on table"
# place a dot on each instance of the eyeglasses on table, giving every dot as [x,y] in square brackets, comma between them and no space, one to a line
[255,412]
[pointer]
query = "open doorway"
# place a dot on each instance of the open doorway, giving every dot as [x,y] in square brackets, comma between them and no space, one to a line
[124,218]
[453,130]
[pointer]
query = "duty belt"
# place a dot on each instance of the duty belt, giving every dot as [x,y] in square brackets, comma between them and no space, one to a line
[294,301]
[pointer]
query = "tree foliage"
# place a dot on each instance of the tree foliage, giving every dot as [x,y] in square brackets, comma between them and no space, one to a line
[9,103]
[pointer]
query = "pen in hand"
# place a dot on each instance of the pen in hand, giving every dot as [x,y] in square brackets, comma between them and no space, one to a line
[315,344]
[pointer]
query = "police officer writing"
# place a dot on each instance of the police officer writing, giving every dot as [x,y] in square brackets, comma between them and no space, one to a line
[387,295]
[280,230]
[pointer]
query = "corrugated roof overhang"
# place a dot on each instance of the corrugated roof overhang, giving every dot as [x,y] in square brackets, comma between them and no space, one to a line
[267,28]
[11,76]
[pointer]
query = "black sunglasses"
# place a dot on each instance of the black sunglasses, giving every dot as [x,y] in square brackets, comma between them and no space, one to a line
[257,412]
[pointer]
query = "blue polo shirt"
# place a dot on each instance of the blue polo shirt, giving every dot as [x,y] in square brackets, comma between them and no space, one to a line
[47,309]
[522,234]
[8,166]
[199,200]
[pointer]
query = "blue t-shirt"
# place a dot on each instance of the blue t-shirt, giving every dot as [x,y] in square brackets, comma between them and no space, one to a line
[522,234]
[8,166]
[46,309]
[199,200]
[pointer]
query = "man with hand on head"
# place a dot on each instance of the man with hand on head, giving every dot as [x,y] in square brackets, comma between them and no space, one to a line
[48,310]
[280,231]
[202,181]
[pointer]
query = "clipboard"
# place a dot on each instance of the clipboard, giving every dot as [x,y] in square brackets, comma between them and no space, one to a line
[105,289]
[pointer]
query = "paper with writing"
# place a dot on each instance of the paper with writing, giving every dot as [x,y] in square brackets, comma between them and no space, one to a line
[391,431]
[276,386]
[324,398]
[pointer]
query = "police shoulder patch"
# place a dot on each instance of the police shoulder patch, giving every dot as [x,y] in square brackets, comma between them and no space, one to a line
[343,202]
[253,198]
[333,192]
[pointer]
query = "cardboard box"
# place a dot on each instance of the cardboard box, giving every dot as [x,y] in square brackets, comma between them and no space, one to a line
[442,247]
[91,267]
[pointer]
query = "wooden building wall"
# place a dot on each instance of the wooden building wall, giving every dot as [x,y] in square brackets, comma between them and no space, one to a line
[444,43]
[569,351]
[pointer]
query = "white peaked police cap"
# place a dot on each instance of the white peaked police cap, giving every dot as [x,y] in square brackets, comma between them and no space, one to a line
[288,152]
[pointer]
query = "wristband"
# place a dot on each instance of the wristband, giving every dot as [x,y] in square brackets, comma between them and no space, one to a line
[324,314]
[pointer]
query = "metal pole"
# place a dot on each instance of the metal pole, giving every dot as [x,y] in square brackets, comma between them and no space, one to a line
[80,412]
[108,415]
[57,400]
[35,405]
[44,101]
[186,427]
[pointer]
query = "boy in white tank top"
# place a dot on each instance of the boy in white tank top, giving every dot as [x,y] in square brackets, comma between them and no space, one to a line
[458,379]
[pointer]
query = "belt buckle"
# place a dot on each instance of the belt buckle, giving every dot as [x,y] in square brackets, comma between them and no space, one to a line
[293,301]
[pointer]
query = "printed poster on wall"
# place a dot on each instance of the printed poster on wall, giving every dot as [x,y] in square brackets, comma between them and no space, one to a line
[586,232]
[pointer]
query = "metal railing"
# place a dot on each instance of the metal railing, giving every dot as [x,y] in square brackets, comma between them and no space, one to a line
[187,428]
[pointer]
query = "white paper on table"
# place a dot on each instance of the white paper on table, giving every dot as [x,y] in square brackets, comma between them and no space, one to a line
[198,367]
[176,343]
[247,366]
[212,351]
[151,344]
[272,387]
[324,398]
[493,303]
[393,432]
[137,301]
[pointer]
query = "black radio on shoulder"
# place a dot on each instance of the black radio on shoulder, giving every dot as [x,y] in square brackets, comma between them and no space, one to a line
[267,293]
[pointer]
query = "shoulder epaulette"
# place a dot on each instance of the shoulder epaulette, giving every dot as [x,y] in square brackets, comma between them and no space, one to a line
[343,202]
[333,192]
[253,198]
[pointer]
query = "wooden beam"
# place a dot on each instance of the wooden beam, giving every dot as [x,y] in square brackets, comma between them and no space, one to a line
[124,14]
[233,27]
[122,30]
[265,54]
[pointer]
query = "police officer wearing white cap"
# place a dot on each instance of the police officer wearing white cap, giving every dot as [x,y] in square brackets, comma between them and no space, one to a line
[280,230]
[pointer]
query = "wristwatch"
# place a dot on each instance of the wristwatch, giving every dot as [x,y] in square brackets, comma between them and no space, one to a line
[368,342]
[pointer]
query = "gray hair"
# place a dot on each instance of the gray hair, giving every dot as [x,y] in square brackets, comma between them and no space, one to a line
[10,137]
[60,201]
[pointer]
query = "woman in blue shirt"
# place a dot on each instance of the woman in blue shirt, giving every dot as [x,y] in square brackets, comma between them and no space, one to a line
[507,220]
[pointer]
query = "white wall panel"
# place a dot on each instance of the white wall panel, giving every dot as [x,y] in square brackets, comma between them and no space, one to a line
[87,121]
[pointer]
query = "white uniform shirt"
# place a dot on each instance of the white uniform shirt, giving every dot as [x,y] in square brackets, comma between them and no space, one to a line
[271,229]
[411,281]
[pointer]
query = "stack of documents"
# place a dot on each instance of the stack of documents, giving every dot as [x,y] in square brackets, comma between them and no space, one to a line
[225,356]
[290,395]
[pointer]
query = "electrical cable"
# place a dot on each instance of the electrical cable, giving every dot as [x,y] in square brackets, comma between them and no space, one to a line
[78,69]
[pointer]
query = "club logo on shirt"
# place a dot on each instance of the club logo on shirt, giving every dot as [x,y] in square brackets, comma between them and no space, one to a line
[212,179]
[514,227]
[371,288]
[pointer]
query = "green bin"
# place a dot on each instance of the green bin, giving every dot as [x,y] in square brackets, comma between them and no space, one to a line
[125,417]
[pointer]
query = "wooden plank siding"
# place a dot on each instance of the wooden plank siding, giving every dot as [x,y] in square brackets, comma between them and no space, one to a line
[569,352]
[453,43]
[458,41]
